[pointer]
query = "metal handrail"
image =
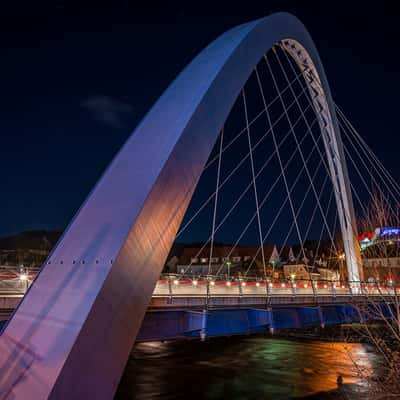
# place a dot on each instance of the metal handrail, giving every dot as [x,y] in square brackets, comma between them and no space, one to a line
[177,285]
[255,286]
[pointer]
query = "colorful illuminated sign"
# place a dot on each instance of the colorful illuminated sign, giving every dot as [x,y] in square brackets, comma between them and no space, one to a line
[388,231]
[368,239]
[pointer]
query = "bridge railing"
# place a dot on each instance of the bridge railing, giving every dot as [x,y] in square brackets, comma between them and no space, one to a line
[177,285]
[14,285]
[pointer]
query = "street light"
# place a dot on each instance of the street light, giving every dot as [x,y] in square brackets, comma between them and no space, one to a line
[341,258]
[23,277]
[228,264]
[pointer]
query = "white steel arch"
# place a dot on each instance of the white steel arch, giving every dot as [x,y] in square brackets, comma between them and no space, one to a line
[71,335]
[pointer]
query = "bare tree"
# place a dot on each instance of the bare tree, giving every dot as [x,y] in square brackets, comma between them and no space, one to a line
[379,315]
[379,309]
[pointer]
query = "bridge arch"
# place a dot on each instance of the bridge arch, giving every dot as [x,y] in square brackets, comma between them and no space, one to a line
[72,333]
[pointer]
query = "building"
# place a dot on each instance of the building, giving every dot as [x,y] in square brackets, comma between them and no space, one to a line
[381,269]
[381,255]
[194,259]
[29,249]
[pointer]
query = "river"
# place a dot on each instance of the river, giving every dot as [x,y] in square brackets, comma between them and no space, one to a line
[252,367]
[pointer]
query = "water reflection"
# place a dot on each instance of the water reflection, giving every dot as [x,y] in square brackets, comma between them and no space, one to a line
[242,368]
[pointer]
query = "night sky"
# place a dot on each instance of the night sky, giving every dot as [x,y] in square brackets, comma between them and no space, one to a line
[77,77]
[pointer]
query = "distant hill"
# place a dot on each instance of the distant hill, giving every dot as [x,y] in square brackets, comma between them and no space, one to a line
[44,240]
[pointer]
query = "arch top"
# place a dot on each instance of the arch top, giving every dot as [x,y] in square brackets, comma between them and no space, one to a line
[82,318]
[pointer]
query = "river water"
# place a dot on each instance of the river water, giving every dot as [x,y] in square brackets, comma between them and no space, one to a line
[252,367]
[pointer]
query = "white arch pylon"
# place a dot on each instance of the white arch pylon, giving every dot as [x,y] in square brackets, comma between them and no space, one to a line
[72,334]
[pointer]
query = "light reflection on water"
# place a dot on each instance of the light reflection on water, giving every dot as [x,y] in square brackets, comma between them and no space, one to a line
[243,368]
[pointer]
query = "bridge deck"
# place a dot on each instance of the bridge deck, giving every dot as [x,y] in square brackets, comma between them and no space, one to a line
[206,293]
[182,309]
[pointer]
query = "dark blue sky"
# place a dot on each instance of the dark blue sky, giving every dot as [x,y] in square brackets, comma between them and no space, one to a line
[76,77]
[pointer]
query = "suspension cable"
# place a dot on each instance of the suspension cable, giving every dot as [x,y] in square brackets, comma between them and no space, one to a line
[283,204]
[254,183]
[365,166]
[235,169]
[301,153]
[323,226]
[279,157]
[309,99]
[256,118]
[243,194]
[360,175]
[216,200]
[367,150]
[301,207]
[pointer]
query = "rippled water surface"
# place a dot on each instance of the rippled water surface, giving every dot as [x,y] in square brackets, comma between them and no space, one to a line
[244,368]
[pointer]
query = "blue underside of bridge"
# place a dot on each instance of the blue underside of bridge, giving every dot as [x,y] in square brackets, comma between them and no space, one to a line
[175,324]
